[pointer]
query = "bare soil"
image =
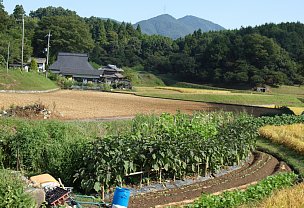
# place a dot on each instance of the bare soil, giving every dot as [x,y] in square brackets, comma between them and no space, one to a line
[73,105]
[260,166]
[90,104]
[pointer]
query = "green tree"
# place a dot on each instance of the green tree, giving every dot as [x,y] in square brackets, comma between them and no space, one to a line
[69,34]
[34,65]
[4,18]
[18,12]
[51,11]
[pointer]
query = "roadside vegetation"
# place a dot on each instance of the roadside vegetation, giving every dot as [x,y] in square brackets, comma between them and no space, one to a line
[16,79]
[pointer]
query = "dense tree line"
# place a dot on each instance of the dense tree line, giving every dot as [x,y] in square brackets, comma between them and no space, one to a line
[270,54]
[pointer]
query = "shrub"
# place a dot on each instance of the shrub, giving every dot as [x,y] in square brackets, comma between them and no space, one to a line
[64,82]
[40,146]
[34,65]
[106,87]
[12,191]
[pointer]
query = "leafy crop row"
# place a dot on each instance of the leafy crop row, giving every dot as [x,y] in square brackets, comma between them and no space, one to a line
[178,145]
[251,194]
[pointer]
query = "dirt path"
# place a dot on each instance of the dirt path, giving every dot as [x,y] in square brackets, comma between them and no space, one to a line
[260,166]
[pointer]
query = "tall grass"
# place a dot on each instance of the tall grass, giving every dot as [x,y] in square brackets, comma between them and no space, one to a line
[290,135]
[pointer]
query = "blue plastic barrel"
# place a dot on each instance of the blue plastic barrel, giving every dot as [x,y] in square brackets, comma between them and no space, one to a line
[121,197]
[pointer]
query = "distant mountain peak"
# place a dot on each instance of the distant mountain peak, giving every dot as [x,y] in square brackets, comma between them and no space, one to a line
[169,26]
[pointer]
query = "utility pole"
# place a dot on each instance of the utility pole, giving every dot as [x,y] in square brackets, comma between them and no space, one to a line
[48,48]
[8,54]
[22,41]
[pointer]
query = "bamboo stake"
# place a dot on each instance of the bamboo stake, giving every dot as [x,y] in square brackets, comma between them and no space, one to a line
[198,171]
[141,178]
[160,175]
[102,192]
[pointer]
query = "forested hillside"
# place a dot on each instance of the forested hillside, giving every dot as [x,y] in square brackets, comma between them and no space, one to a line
[268,54]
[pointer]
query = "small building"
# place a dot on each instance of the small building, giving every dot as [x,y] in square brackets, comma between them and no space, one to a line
[111,74]
[76,67]
[261,89]
[41,63]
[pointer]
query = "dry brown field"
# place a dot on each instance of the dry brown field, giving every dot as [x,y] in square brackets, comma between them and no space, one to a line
[91,104]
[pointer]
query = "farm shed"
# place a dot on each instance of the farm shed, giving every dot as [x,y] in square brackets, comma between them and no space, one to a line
[75,66]
[261,89]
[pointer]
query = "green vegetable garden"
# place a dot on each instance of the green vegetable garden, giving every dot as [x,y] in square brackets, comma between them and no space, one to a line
[146,149]
[174,146]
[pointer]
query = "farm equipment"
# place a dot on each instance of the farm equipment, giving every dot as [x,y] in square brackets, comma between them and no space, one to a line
[57,195]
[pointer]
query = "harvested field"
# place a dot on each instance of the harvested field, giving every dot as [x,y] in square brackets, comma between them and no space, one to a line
[90,104]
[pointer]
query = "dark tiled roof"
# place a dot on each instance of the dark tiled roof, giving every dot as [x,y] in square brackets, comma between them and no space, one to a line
[109,76]
[111,68]
[74,64]
[118,75]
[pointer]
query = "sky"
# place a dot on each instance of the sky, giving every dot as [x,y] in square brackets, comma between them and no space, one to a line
[231,14]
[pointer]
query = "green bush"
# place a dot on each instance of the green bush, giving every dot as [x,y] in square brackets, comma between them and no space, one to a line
[64,82]
[34,65]
[42,146]
[12,193]
[251,194]
[105,87]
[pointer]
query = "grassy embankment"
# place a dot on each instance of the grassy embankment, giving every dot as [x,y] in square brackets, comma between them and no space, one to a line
[19,80]
[139,77]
